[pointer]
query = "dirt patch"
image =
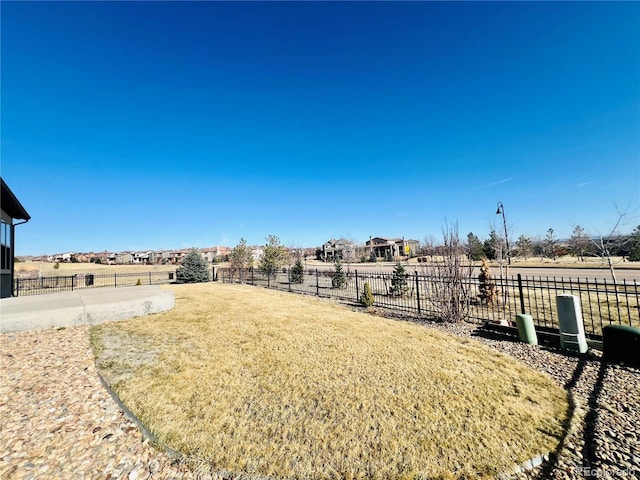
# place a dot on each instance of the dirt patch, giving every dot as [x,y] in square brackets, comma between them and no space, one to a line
[120,354]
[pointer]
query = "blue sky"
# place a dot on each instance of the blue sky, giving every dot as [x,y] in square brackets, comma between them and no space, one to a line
[168,125]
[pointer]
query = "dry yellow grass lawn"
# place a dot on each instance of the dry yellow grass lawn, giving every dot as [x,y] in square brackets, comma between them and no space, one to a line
[269,383]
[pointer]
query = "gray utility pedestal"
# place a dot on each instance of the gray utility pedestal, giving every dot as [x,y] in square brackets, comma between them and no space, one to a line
[572,335]
[526,330]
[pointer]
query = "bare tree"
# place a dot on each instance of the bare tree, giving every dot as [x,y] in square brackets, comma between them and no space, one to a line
[428,247]
[451,278]
[349,255]
[604,243]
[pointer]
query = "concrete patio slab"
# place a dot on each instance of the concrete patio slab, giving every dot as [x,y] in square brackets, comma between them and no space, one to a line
[82,307]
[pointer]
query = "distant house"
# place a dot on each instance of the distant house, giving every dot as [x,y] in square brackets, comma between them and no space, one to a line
[124,258]
[68,257]
[81,258]
[257,252]
[144,258]
[101,257]
[209,254]
[212,254]
[165,257]
[11,209]
[173,257]
[391,247]
[61,257]
[338,249]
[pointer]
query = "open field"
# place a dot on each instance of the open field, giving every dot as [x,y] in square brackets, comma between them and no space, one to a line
[46,269]
[269,383]
[563,267]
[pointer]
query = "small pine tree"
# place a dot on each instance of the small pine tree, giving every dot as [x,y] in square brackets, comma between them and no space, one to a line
[488,291]
[475,247]
[399,283]
[372,257]
[138,282]
[241,259]
[56,266]
[273,257]
[194,269]
[634,254]
[339,279]
[297,272]
[367,297]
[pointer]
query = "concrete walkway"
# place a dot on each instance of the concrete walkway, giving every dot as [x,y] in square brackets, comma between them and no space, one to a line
[82,307]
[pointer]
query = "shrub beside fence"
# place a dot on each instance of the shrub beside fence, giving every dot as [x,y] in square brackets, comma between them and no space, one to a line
[603,303]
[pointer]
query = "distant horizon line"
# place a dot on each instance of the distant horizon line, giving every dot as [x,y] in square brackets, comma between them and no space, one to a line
[187,249]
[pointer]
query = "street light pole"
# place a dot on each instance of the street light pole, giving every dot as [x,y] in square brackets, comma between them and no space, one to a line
[506,235]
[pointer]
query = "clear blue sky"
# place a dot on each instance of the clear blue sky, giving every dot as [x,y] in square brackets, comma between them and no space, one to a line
[169,125]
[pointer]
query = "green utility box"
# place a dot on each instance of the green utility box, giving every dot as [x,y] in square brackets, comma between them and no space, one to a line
[526,330]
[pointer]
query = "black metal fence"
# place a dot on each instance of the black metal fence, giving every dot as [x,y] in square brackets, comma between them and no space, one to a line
[602,302]
[38,286]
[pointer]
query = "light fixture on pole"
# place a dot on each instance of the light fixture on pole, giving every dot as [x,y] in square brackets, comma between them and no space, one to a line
[506,235]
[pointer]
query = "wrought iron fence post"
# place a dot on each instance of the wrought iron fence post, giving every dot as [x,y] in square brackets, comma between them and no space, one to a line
[357,288]
[289,277]
[317,284]
[626,297]
[149,278]
[73,277]
[17,287]
[115,279]
[417,292]
[253,282]
[521,293]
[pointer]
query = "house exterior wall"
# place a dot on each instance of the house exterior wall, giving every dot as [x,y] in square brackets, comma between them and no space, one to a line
[10,210]
[6,270]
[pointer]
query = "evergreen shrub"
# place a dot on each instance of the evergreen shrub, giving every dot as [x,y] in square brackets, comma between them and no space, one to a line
[367,297]
[194,269]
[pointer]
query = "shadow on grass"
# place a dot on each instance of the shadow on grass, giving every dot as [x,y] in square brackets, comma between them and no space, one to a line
[588,451]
